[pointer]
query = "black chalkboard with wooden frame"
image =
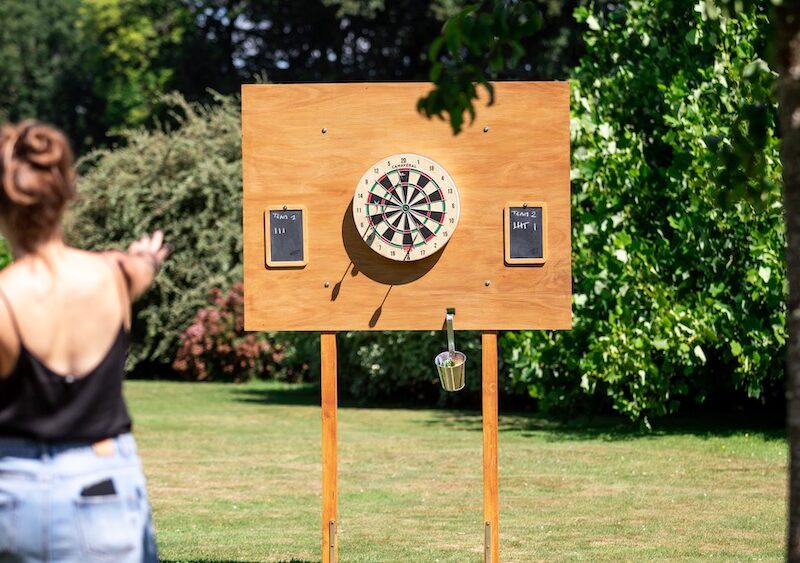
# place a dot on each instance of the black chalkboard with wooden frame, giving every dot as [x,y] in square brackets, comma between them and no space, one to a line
[525,233]
[286,234]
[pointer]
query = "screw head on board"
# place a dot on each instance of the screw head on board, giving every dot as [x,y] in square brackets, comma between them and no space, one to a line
[487,283]
[486,129]
[327,284]
[324,130]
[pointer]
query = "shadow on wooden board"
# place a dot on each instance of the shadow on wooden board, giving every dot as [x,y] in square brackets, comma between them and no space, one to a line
[376,267]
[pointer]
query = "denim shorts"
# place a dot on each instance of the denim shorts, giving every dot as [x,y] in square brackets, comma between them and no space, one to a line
[74,502]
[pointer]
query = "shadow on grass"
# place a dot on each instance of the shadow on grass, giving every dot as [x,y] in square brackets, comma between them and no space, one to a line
[308,395]
[605,428]
[611,429]
[295,394]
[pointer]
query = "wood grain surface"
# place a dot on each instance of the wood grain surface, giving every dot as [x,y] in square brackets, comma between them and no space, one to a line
[491,507]
[524,156]
[330,446]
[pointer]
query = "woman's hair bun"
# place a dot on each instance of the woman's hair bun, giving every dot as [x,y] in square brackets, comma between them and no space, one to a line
[41,145]
[37,164]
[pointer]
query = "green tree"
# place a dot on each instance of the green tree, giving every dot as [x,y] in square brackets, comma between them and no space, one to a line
[97,66]
[472,40]
[339,40]
[42,67]
[87,66]
[131,56]
[676,296]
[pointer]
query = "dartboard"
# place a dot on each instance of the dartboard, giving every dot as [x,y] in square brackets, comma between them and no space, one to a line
[406,207]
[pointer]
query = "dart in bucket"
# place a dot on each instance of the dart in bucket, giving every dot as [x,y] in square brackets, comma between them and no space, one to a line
[450,363]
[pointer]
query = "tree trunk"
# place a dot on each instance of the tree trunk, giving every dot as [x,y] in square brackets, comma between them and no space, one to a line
[788,51]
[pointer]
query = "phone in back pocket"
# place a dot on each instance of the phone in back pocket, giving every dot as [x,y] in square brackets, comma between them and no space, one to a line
[99,489]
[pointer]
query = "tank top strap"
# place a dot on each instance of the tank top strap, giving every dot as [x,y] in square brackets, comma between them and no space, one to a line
[11,314]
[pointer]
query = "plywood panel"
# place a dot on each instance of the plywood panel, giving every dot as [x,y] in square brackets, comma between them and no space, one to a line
[524,156]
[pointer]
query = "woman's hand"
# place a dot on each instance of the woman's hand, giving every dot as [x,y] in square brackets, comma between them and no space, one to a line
[143,261]
[151,248]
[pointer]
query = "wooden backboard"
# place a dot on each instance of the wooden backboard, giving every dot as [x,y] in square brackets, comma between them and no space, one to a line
[516,151]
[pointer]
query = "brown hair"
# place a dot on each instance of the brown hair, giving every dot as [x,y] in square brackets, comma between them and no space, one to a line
[38,180]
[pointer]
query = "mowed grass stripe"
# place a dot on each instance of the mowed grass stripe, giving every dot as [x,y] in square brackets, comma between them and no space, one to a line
[234,474]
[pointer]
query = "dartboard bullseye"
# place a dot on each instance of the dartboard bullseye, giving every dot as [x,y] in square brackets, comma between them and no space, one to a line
[406,207]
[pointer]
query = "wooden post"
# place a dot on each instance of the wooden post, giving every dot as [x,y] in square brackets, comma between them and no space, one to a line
[330,523]
[491,511]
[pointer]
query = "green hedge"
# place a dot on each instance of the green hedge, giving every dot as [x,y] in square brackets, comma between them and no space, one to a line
[186,181]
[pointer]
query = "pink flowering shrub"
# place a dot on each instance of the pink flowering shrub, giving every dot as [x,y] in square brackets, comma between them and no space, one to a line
[215,346]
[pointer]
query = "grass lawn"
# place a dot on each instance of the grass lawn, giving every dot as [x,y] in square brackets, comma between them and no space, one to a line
[234,475]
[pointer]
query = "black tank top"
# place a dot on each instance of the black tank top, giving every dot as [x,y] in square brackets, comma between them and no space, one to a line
[37,403]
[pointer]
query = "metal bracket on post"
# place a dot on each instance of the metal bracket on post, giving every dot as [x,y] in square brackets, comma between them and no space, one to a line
[451,341]
[332,540]
[487,543]
[450,363]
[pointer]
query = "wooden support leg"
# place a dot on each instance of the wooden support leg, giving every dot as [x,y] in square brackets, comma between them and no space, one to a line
[329,447]
[491,511]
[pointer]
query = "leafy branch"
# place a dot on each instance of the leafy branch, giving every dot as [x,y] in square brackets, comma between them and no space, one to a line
[475,46]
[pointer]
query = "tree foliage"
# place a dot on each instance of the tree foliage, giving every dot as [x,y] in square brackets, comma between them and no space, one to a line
[94,66]
[130,60]
[470,38]
[342,40]
[41,66]
[676,297]
[88,66]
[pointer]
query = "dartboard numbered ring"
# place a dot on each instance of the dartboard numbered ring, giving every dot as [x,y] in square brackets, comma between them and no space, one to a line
[406,207]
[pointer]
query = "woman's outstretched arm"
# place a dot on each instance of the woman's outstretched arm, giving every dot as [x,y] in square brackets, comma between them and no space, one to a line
[142,262]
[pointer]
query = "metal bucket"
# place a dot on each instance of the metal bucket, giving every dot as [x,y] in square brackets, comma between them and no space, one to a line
[452,378]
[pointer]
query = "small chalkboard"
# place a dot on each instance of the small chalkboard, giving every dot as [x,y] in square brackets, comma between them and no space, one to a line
[286,236]
[525,233]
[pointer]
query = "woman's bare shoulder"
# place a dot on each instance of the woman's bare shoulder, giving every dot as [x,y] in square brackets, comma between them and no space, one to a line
[95,254]
[12,275]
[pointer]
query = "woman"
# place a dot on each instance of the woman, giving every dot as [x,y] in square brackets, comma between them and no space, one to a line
[71,483]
